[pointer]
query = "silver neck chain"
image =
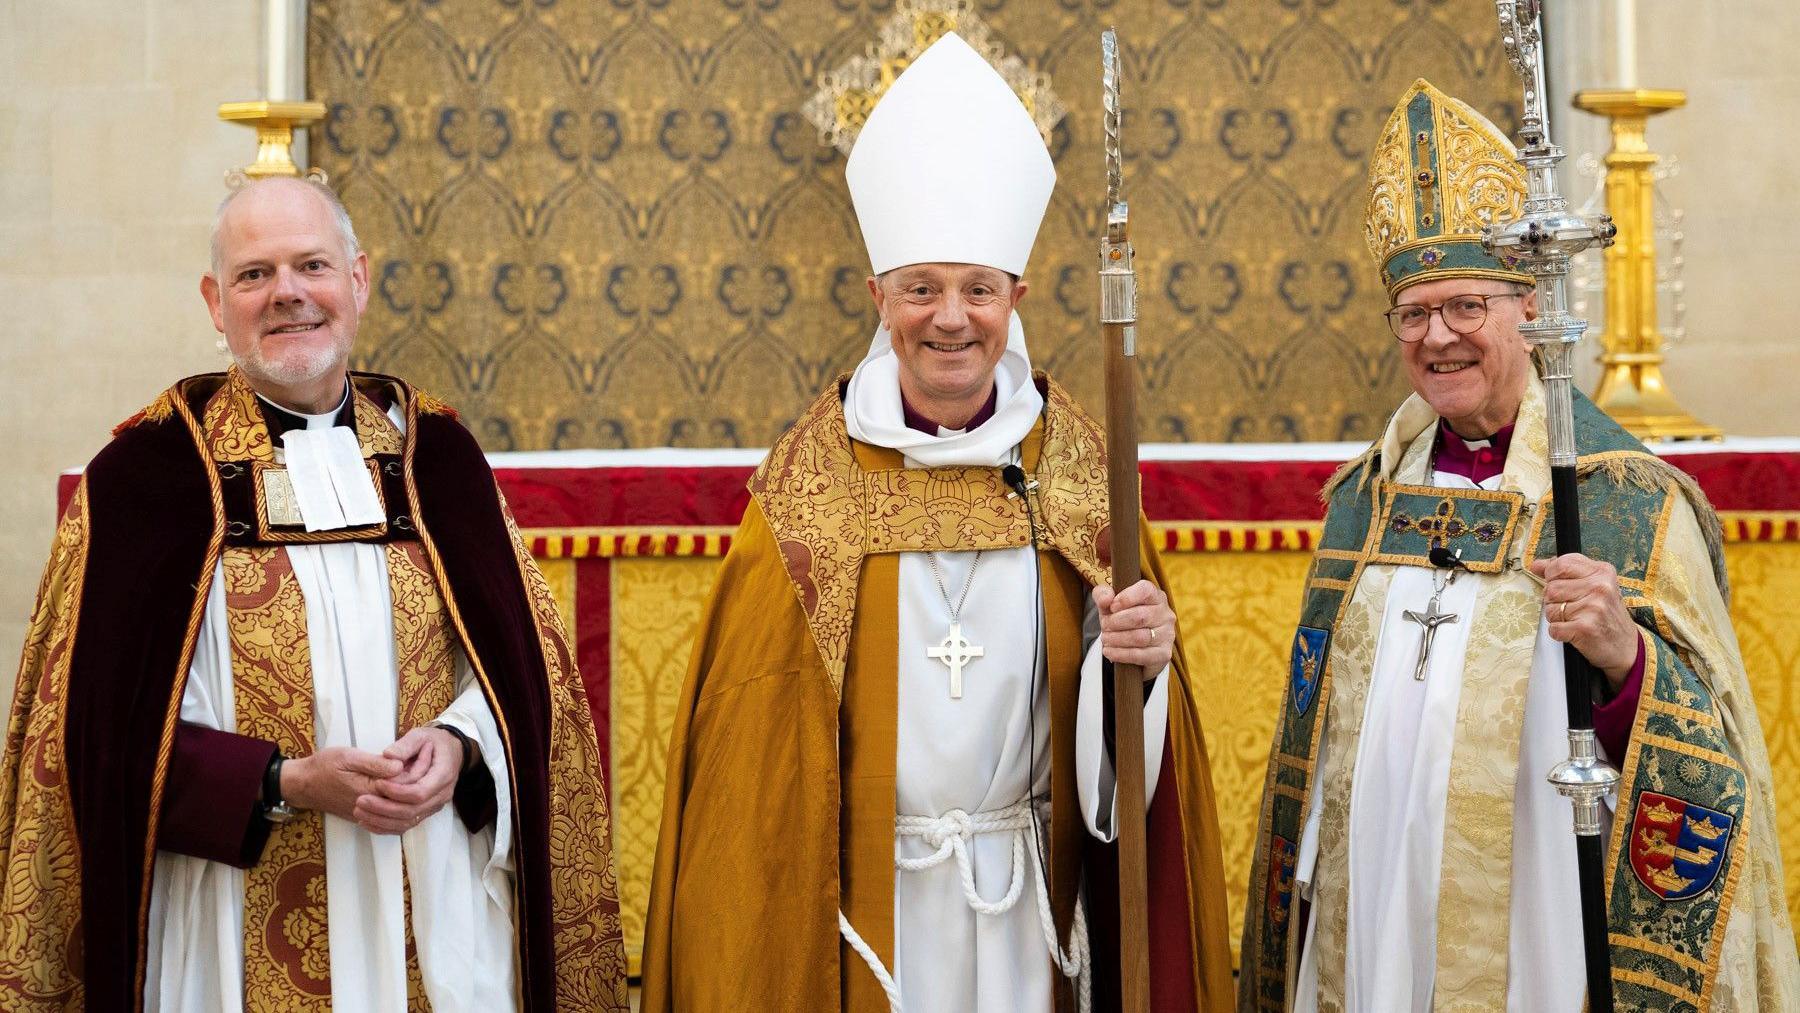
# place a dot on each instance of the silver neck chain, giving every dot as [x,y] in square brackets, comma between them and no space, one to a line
[938,575]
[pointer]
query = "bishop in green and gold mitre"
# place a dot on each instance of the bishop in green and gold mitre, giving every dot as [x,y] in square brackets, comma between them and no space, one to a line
[1406,801]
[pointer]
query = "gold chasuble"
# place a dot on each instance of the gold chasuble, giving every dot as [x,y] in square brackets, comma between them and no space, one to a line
[780,807]
[92,756]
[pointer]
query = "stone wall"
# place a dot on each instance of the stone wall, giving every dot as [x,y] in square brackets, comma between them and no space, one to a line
[111,161]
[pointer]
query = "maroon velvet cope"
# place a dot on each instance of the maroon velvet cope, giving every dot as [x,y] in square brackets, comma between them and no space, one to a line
[212,799]
[152,529]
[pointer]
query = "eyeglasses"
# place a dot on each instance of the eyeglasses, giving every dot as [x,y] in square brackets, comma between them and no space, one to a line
[1463,314]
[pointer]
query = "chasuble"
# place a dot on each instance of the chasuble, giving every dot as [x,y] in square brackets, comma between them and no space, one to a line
[1414,816]
[183,617]
[802,733]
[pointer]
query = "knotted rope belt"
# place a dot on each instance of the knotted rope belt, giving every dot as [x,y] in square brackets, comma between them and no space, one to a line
[950,834]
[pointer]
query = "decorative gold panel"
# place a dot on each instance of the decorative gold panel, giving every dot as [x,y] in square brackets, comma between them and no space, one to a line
[610,224]
[1237,615]
[656,603]
[1765,580]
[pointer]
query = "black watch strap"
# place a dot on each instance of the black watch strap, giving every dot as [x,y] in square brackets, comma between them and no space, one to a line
[271,785]
[468,745]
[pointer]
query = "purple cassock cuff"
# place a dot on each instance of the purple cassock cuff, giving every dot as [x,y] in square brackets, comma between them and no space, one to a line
[1612,719]
[474,799]
[212,807]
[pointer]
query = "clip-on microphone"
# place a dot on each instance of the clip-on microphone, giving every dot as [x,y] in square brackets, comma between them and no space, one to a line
[1014,477]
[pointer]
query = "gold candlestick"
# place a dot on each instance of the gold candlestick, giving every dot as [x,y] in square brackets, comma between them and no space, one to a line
[1632,389]
[274,123]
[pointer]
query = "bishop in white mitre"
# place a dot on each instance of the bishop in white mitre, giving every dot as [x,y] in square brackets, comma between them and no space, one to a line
[895,725]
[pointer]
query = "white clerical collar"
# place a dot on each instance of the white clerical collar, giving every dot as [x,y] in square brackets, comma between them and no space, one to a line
[325,420]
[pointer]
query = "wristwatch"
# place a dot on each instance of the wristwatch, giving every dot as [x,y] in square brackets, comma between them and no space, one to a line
[467,744]
[274,808]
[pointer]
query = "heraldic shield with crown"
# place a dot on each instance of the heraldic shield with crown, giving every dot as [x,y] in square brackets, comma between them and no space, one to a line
[1677,847]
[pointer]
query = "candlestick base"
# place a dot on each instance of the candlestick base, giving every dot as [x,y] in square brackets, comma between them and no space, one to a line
[274,123]
[1634,393]
[1632,389]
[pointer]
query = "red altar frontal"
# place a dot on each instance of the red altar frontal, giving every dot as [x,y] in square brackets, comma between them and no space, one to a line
[629,541]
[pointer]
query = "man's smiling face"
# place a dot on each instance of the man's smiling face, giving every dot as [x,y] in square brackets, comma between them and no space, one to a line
[1476,381]
[287,291]
[948,324]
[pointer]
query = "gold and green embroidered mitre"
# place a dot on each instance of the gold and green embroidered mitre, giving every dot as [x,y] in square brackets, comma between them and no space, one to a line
[1440,174]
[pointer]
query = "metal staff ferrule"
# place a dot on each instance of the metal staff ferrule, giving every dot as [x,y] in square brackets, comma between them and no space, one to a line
[1585,780]
[1118,280]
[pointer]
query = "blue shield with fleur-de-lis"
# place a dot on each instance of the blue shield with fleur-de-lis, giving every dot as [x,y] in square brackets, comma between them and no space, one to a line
[1306,666]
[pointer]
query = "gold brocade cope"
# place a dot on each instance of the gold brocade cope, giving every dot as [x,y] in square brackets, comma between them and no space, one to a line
[287,959]
[40,908]
[788,706]
[287,956]
[235,430]
[151,555]
[1440,173]
[828,512]
[1476,525]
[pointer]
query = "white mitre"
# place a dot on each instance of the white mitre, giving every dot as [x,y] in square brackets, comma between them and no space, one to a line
[950,167]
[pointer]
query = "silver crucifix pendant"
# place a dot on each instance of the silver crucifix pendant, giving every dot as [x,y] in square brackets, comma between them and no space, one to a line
[955,651]
[1429,621]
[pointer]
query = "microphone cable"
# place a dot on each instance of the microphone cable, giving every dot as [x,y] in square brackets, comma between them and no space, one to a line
[1014,477]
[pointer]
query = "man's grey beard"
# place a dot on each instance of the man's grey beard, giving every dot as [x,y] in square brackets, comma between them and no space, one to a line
[295,369]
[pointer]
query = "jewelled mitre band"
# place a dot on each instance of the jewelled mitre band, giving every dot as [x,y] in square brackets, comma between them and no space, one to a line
[1440,173]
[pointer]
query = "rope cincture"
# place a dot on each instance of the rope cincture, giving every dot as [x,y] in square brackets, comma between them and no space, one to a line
[949,835]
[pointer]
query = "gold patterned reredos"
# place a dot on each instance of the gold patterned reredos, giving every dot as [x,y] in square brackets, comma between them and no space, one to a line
[827,514]
[848,93]
[1478,175]
[655,260]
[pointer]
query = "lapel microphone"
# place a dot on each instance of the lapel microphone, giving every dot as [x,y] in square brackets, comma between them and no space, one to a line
[1014,477]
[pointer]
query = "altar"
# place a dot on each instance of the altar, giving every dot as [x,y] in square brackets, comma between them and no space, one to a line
[630,541]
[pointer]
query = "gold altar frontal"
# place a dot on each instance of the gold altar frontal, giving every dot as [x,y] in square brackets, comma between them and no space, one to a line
[1236,588]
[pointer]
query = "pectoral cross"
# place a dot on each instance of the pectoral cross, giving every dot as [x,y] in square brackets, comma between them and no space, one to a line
[1429,621]
[955,651]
